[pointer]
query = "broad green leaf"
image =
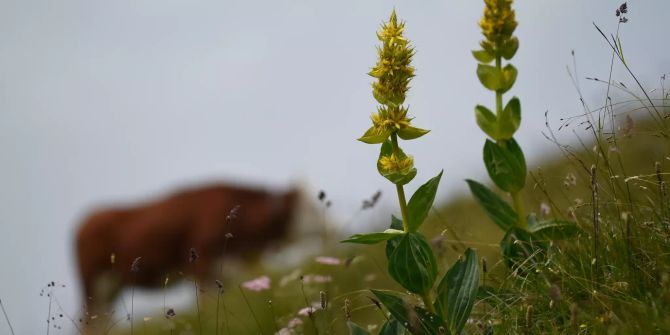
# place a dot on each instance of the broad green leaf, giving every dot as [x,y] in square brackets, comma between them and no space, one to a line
[509,74]
[509,48]
[483,56]
[487,121]
[457,291]
[552,229]
[505,164]
[520,247]
[412,264]
[401,179]
[496,208]
[416,319]
[373,238]
[509,120]
[392,327]
[355,329]
[490,76]
[371,137]
[411,133]
[392,243]
[421,202]
[394,177]
[396,223]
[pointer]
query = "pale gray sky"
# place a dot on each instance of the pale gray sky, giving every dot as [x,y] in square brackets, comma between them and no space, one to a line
[120,100]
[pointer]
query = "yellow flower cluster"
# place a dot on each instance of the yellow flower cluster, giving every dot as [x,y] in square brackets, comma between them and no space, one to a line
[393,70]
[498,25]
[396,164]
[393,73]
[388,119]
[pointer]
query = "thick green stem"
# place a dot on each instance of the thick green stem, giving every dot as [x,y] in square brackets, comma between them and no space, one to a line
[428,302]
[400,189]
[520,211]
[516,199]
[499,98]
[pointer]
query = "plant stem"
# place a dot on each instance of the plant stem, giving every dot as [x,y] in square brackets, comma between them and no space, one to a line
[197,305]
[427,301]
[516,199]
[596,225]
[499,100]
[258,324]
[6,317]
[400,189]
[520,211]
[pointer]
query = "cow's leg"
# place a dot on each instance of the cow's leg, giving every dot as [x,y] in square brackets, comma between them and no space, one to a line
[100,296]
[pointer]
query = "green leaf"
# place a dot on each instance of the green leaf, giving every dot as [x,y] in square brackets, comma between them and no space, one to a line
[483,56]
[416,319]
[412,264]
[509,48]
[552,229]
[496,208]
[509,120]
[373,238]
[505,164]
[421,202]
[509,74]
[520,247]
[371,137]
[392,327]
[355,329]
[411,133]
[490,76]
[457,291]
[487,121]
[394,177]
[396,223]
[392,243]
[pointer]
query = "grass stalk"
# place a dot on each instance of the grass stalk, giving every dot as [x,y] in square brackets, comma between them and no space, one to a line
[596,225]
[6,317]
[309,306]
[258,324]
[197,305]
[132,309]
[50,294]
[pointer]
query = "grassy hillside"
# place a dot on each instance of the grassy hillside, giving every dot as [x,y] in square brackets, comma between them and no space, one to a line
[559,292]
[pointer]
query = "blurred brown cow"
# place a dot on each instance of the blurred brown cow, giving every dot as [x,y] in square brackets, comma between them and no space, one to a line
[163,233]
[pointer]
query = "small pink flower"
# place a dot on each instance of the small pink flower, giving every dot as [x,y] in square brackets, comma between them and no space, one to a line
[294,322]
[305,311]
[258,284]
[545,209]
[327,260]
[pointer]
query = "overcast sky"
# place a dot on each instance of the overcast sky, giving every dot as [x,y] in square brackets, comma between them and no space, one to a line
[108,101]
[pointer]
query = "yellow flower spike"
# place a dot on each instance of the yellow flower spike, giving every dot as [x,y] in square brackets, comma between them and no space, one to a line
[498,25]
[393,70]
[393,73]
